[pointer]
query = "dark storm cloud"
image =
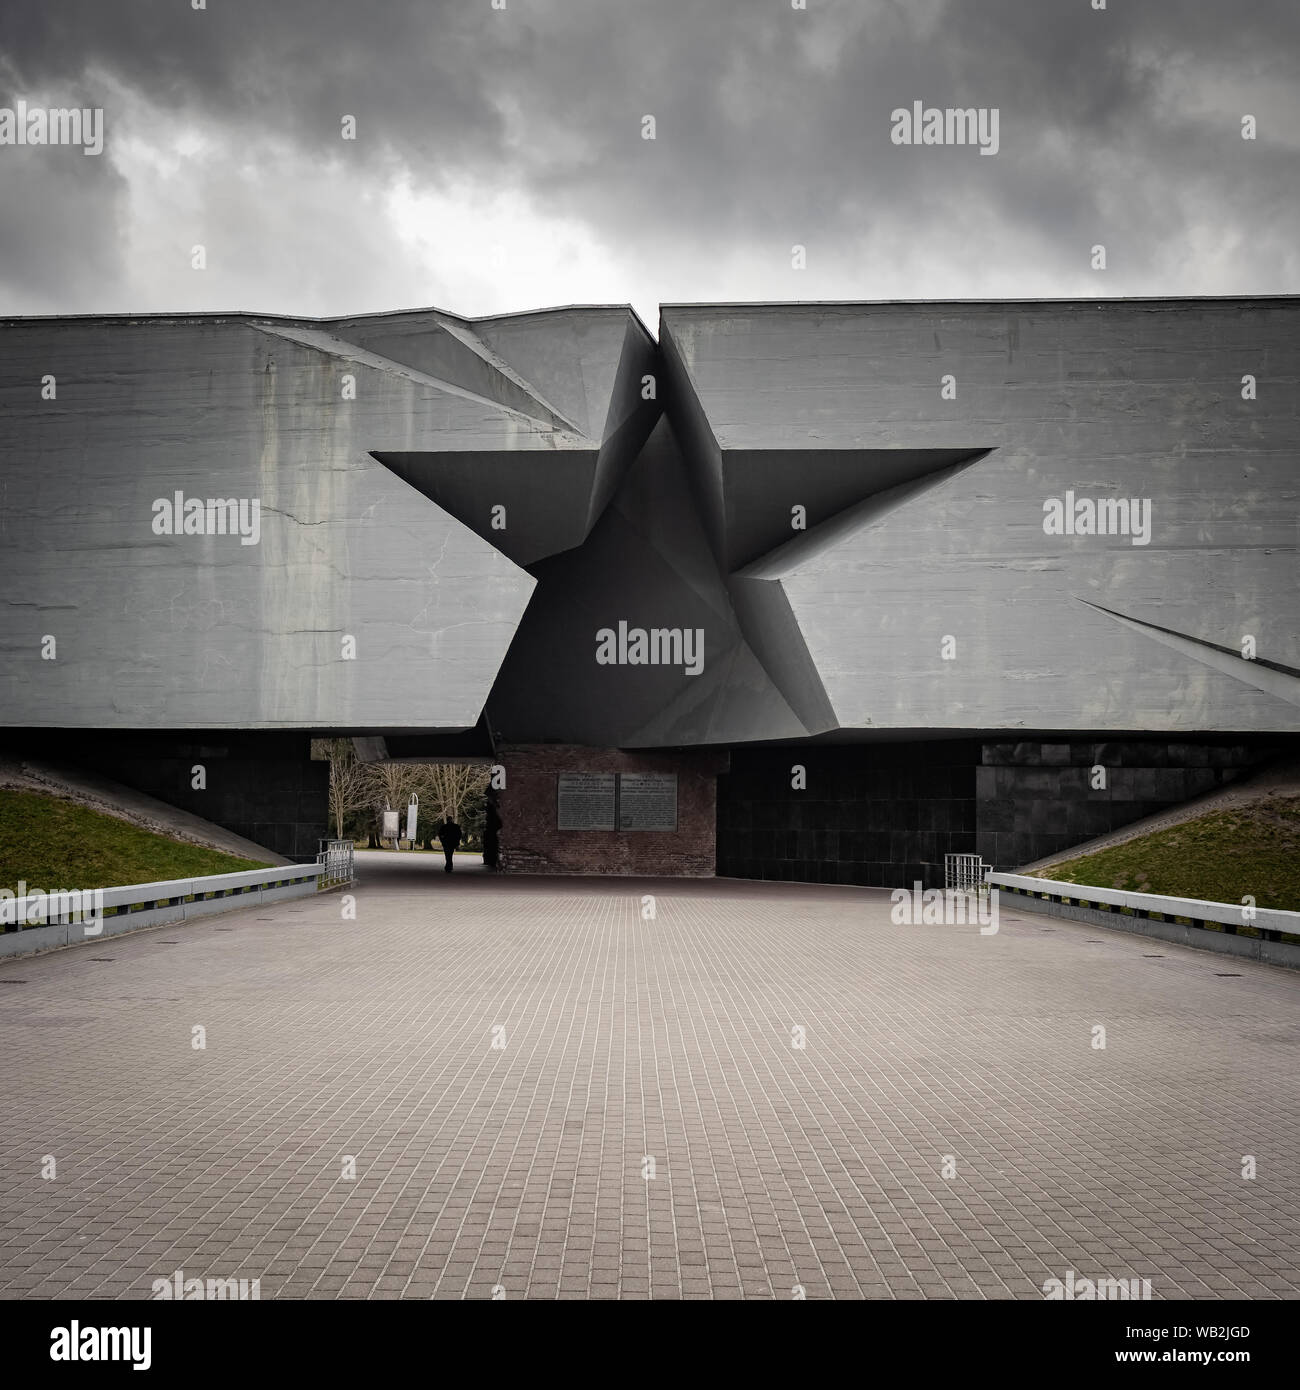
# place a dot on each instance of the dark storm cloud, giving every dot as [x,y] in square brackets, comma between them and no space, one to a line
[773,125]
[59,224]
[293,66]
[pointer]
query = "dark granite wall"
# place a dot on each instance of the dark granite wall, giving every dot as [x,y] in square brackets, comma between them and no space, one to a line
[1036,797]
[884,814]
[262,785]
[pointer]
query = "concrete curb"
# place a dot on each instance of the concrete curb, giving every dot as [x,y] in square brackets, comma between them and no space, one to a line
[216,894]
[1282,953]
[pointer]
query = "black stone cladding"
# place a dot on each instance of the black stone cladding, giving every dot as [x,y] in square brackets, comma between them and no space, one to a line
[262,785]
[885,815]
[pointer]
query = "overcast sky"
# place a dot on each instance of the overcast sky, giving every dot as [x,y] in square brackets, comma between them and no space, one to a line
[500,162]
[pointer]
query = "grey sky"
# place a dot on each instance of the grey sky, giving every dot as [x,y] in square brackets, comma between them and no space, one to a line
[499,162]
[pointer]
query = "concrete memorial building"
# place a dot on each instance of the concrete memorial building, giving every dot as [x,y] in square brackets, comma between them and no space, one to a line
[799,591]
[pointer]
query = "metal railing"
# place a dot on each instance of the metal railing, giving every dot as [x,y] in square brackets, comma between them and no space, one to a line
[337,860]
[966,873]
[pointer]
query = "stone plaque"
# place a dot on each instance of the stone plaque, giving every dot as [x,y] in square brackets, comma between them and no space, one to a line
[585,801]
[647,801]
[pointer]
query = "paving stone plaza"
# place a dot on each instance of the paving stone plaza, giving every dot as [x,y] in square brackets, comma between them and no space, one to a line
[760,1091]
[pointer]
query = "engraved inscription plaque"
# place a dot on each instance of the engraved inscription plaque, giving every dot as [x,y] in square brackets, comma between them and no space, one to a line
[647,801]
[586,801]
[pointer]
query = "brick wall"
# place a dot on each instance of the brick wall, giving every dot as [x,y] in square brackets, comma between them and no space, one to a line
[531,843]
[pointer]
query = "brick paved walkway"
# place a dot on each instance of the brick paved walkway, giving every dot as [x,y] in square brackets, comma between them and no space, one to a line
[521,1166]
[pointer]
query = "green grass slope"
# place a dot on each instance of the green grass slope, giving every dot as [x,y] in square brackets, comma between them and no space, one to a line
[52,844]
[1222,857]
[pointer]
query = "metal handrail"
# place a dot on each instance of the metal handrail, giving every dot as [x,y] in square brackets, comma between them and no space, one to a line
[337,861]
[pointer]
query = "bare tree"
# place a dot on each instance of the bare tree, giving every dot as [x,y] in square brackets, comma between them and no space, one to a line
[388,785]
[451,785]
[349,788]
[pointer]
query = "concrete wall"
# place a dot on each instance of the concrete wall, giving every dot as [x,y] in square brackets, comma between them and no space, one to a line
[532,843]
[924,510]
[1133,399]
[199,631]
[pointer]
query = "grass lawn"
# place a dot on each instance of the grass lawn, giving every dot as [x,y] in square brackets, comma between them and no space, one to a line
[49,843]
[1221,857]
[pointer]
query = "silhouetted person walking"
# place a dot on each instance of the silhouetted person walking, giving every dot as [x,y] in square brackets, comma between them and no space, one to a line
[448,838]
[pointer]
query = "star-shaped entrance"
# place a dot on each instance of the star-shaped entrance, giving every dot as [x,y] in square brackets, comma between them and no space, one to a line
[648,536]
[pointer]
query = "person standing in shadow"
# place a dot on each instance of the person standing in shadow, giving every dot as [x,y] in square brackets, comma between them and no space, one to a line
[491,833]
[448,838]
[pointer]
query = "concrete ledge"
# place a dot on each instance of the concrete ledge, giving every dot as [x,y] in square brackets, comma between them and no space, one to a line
[1044,898]
[1228,914]
[144,905]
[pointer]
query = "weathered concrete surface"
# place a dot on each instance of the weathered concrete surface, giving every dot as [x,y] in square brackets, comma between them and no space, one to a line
[202,631]
[623,1039]
[542,494]
[1135,399]
[923,513]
